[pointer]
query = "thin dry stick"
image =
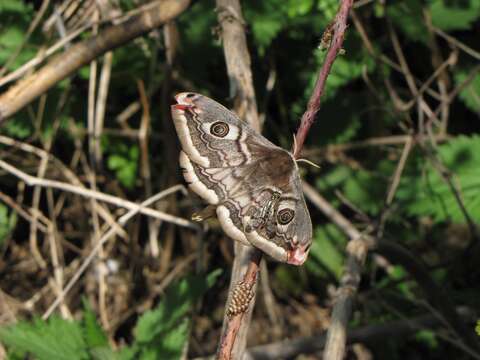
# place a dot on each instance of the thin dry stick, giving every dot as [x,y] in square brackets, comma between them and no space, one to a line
[434,293]
[398,171]
[145,164]
[313,344]
[473,53]
[93,141]
[374,141]
[445,101]
[33,181]
[42,55]
[36,197]
[92,87]
[235,322]
[122,221]
[103,85]
[381,57]
[67,173]
[33,25]
[56,253]
[357,250]
[81,54]
[24,213]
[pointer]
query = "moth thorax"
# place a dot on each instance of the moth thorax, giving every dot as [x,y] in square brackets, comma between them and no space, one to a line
[269,208]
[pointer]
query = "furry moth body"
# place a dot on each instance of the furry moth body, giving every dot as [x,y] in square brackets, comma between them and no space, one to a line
[254,184]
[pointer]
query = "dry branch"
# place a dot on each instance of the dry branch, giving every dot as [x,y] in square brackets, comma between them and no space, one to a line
[436,295]
[34,181]
[63,65]
[122,221]
[368,333]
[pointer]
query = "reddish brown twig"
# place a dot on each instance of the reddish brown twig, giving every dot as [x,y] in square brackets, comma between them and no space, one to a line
[339,26]
[233,324]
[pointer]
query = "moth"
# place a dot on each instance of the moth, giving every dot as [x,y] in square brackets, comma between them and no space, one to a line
[252,184]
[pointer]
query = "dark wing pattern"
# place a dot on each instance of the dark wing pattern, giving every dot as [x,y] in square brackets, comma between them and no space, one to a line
[254,184]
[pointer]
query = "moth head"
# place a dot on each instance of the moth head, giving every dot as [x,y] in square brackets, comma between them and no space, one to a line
[295,224]
[217,124]
[186,98]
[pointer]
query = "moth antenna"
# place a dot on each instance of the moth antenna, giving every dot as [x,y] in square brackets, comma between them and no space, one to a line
[294,144]
[309,162]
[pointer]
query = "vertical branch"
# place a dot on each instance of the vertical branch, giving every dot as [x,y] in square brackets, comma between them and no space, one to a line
[247,259]
[357,247]
[338,28]
[238,61]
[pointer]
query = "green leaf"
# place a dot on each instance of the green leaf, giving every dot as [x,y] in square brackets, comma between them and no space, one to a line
[125,164]
[7,222]
[15,16]
[362,188]
[407,16]
[345,69]
[326,254]
[454,15]
[470,95]
[267,19]
[424,192]
[41,338]
[161,333]
[300,7]
[17,128]
[128,353]
[104,353]
[288,280]
[17,6]
[94,334]
[266,28]
[395,274]
[427,337]
[328,8]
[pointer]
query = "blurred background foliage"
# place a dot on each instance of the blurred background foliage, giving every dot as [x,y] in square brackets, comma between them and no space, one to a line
[356,140]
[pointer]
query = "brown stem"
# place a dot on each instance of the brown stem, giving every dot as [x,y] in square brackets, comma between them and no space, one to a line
[234,322]
[82,53]
[338,28]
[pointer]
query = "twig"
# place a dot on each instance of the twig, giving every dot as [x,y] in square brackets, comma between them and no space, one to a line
[122,221]
[33,181]
[357,247]
[81,54]
[338,28]
[100,108]
[233,325]
[434,293]
[26,214]
[473,53]
[143,137]
[31,28]
[357,252]
[368,333]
